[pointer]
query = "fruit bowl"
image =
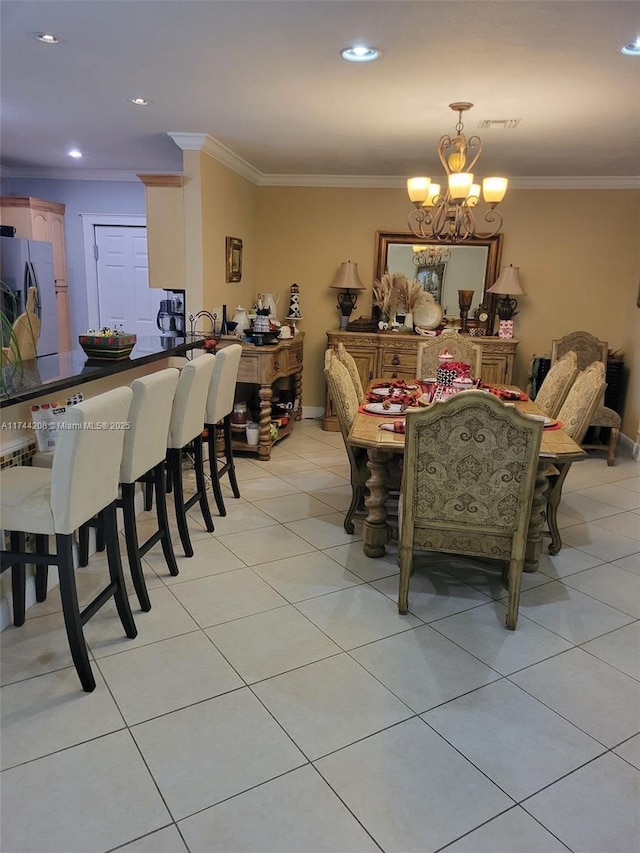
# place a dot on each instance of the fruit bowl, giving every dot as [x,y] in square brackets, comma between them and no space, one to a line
[107,347]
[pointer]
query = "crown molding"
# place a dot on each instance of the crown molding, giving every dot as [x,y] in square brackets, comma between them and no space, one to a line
[214,148]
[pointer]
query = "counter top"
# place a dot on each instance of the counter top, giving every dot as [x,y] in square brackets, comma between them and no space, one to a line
[54,373]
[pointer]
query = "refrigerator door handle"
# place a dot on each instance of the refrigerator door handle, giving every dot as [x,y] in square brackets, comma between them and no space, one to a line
[31,280]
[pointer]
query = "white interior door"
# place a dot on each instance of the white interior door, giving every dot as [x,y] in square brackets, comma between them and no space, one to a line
[125,299]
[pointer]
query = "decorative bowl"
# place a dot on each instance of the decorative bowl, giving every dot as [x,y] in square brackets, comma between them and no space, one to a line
[107,347]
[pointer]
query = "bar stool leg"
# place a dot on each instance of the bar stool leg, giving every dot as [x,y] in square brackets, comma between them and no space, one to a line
[115,570]
[212,430]
[72,619]
[148,496]
[201,485]
[83,544]
[18,580]
[163,518]
[42,571]
[133,548]
[174,458]
[228,452]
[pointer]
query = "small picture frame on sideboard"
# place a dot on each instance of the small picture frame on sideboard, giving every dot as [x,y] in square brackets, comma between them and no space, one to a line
[234,259]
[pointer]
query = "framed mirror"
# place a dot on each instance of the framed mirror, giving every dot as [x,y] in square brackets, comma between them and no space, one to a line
[444,268]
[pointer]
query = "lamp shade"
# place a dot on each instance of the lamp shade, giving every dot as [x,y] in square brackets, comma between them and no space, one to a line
[347,277]
[507,282]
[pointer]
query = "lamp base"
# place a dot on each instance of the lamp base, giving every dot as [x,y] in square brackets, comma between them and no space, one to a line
[344,319]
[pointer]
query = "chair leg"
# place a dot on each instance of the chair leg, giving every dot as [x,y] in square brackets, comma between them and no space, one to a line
[148,496]
[110,527]
[513,602]
[228,452]
[163,518]
[405,557]
[100,543]
[356,498]
[201,485]
[133,548]
[18,580]
[71,612]
[174,458]
[213,469]
[42,571]
[553,502]
[83,544]
[613,441]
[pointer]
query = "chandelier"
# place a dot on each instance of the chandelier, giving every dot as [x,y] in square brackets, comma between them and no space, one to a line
[430,256]
[450,216]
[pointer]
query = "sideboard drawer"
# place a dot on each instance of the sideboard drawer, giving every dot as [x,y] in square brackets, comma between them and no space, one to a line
[400,362]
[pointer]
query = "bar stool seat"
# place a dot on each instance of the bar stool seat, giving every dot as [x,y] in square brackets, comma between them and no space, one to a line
[219,407]
[185,431]
[82,482]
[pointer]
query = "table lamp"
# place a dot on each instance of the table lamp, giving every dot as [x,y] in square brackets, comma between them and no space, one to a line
[348,280]
[508,282]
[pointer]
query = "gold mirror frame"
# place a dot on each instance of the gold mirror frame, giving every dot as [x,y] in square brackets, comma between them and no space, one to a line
[386,238]
[234,259]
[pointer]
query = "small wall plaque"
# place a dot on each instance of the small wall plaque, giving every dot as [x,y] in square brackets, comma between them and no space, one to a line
[234,259]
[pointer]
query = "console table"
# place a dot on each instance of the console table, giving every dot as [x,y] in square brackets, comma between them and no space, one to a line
[262,366]
[394,355]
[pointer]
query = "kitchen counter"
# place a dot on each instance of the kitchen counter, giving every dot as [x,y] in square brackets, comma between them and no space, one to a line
[51,374]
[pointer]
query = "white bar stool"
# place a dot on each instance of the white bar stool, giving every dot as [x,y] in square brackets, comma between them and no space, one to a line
[185,430]
[82,482]
[219,407]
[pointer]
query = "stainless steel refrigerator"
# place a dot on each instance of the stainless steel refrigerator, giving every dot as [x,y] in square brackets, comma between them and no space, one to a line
[25,264]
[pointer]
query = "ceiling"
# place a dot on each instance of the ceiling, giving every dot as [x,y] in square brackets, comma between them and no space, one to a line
[265,80]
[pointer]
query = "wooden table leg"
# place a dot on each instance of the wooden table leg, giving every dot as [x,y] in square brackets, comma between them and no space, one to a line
[265,394]
[536,522]
[375,530]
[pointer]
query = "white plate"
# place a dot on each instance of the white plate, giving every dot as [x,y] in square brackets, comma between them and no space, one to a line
[394,409]
[384,392]
[549,421]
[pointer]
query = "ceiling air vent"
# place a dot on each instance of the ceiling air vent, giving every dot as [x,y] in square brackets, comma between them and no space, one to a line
[499,123]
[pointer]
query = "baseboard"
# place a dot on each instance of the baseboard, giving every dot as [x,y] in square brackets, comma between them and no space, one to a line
[632,447]
[6,607]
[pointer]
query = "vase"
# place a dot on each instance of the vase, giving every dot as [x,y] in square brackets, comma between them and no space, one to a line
[224,329]
[408,320]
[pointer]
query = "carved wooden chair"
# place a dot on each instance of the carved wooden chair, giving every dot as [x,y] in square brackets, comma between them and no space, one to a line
[468,483]
[461,350]
[557,384]
[576,414]
[350,363]
[345,402]
[589,349]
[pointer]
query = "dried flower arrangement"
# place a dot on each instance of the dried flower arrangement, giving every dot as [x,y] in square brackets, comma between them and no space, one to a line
[394,292]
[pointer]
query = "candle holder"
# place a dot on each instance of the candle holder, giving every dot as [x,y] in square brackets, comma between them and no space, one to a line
[465,298]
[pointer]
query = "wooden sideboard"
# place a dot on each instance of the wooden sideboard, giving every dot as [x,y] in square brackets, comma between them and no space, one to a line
[394,355]
[262,366]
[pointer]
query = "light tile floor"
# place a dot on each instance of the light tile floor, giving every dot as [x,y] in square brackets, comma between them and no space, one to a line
[274,700]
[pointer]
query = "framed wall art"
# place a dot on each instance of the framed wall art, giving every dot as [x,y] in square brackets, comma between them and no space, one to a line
[234,259]
[432,279]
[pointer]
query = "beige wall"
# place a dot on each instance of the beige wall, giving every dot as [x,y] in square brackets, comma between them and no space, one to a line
[578,253]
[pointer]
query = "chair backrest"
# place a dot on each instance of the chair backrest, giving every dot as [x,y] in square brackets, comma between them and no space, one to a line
[582,401]
[343,395]
[350,363]
[586,347]
[145,442]
[223,383]
[557,383]
[461,350]
[469,475]
[189,403]
[86,465]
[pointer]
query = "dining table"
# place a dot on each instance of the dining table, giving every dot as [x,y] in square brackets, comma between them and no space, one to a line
[386,449]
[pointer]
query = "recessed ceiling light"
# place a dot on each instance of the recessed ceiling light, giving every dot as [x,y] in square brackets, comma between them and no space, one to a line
[360,53]
[139,102]
[47,38]
[75,153]
[633,48]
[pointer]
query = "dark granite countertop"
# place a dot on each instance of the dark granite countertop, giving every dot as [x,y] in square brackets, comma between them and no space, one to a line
[53,373]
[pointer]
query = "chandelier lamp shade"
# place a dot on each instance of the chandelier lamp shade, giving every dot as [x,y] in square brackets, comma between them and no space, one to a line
[508,282]
[347,280]
[447,211]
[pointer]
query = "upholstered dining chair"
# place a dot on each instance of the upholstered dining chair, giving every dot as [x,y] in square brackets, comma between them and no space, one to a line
[589,349]
[467,486]
[56,501]
[576,414]
[350,363]
[557,383]
[346,404]
[461,350]
[218,419]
